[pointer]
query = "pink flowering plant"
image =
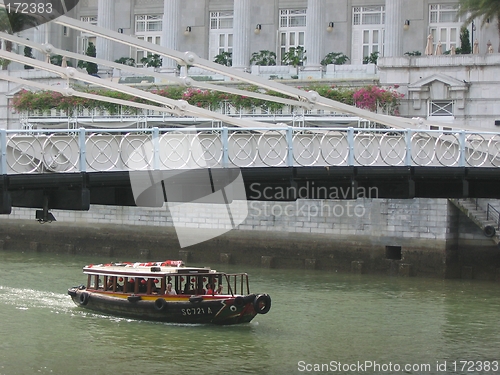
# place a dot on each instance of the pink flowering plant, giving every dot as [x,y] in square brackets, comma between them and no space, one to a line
[375,99]
[372,98]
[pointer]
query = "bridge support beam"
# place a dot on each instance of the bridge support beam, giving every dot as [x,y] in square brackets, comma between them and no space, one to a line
[5,202]
[5,198]
[59,199]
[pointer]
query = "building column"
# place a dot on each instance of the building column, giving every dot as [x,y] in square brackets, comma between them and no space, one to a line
[241,34]
[315,30]
[170,32]
[393,28]
[106,20]
[40,36]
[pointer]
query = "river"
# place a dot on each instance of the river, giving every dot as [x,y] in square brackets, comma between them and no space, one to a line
[320,322]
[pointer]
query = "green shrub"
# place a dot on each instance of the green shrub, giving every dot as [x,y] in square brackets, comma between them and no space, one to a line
[337,58]
[224,58]
[263,58]
[90,67]
[295,56]
[372,58]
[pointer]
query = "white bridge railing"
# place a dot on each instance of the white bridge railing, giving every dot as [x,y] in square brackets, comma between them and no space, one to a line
[90,150]
[123,113]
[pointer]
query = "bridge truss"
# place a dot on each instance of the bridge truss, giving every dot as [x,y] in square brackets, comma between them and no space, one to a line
[77,168]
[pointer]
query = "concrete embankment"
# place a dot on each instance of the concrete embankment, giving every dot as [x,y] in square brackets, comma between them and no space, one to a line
[419,237]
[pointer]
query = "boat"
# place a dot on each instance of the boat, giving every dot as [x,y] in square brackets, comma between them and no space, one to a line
[170,292]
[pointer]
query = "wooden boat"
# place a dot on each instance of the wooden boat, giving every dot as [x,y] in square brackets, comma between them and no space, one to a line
[169,292]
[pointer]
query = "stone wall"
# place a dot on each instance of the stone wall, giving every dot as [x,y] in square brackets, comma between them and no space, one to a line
[471,81]
[419,237]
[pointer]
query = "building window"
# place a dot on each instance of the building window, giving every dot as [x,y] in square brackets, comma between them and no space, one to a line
[148,23]
[221,20]
[369,15]
[221,33]
[444,25]
[442,13]
[65,31]
[148,27]
[292,29]
[367,31]
[292,18]
[89,19]
[85,38]
[441,108]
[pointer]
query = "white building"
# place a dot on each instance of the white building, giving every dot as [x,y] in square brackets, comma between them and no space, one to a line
[354,27]
[467,90]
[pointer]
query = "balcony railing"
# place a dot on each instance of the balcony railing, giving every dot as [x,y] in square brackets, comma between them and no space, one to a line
[294,116]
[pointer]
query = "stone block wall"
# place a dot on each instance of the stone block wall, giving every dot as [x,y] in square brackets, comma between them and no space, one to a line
[376,218]
[366,225]
[418,237]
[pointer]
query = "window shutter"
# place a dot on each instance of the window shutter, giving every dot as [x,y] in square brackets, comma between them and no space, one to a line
[213,45]
[357,46]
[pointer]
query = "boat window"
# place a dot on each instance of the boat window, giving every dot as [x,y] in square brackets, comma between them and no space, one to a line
[238,283]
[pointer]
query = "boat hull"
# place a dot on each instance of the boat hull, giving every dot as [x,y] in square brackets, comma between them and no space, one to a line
[186,309]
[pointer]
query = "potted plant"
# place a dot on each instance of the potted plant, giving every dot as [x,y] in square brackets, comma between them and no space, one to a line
[90,67]
[4,63]
[58,59]
[263,58]
[465,47]
[371,58]
[224,58]
[295,56]
[336,58]
[126,61]
[28,52]
[413,53]
[152,61]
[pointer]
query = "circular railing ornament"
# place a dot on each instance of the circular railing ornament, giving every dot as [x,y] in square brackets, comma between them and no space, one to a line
[393,148]
[272,148]
[494,150]
[242,147]
[476,150]
[26,154]
[206,150]
[102,151]
[366,148]
[447,148]
[304,151]
[175,149]
[334,148]
[61,153]
[422,149]
[137,151]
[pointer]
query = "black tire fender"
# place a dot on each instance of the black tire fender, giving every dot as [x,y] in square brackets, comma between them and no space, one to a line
[262,303]
[489,231]
[160,304]
[84,298]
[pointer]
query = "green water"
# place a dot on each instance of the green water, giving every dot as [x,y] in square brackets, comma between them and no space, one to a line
[317,318]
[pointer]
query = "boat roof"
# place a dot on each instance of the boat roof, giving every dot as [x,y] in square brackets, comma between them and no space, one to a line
[148,269]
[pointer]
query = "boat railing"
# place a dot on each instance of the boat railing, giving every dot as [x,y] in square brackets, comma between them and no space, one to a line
[237,281]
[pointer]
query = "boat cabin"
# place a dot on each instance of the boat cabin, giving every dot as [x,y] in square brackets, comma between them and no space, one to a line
[153,278]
